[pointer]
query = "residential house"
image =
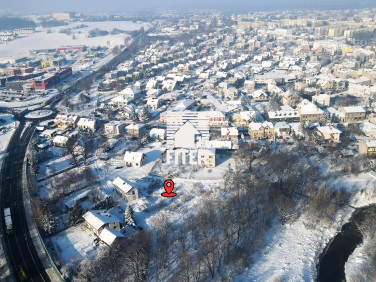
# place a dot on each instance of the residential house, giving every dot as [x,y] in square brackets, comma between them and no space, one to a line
[367,147]
[153,93]
[131,93]
[109,236]
[87,123]
[49,133]
[261,130]
[217,119]
[120,101]
[288,115]
[134,159]
[229,133]
[206,157]
[153,103]
[127,189]
[243,118]
[321,99]
[282,129]
[352,114]
[60,141]
[98,220]
[136,129]
[230,93]
[290,98]
[309,111]
[66,120]
[260,96]
[114,128]
[329,133]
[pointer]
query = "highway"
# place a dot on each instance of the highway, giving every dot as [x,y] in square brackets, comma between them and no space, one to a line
[23,261]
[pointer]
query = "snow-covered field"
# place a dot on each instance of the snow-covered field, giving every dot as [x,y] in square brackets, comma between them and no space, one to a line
[42,39]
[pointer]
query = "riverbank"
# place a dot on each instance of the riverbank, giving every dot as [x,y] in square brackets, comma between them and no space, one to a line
[331,266]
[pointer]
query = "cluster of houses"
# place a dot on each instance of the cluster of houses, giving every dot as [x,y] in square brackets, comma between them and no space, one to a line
[236,83]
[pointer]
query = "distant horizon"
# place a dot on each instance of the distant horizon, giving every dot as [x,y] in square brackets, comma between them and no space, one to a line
[41,7]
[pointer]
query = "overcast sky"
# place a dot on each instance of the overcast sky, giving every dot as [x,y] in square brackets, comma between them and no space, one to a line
[123,6]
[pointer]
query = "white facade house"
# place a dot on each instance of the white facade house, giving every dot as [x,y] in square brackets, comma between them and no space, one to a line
[329,133]
[120,101]
[131,93]
[153,93]
[114,128]
[98,220]
[127,189]
[153,103]
[260,95]
[282,129]
[87,123]
[60,141]
[134,159]
[321,99]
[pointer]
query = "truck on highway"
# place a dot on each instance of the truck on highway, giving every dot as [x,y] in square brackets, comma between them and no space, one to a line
[8,220]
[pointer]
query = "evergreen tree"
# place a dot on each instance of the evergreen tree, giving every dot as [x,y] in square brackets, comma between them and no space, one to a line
[325,119]
[128,216]
[145,114]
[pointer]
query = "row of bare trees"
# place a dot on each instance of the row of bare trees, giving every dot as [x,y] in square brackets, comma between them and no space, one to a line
[223,234]
[125,260]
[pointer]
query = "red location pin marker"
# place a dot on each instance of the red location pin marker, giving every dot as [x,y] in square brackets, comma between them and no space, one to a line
[168,186]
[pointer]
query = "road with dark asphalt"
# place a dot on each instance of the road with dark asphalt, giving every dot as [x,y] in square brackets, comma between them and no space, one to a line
[24,261]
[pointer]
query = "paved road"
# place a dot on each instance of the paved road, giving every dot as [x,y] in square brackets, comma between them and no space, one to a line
[23,258]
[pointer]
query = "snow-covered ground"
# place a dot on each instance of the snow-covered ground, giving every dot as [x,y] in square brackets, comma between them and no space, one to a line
[74,243]
[292,250]
[6,130]
[42,39]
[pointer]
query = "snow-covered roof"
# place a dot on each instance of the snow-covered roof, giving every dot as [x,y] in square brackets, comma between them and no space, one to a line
[120,99]
[133,156]
[328,129]
[98,218]
[60,139]
[109,235]
[371,143]
[281,124]
[65,118]
[283,114]
[354,109]
[86,122]
[220,144]
[134,126]
[48,132]
[247,115]
[308,108]
[258,125]
[229,131]
[129,91]
[123,185]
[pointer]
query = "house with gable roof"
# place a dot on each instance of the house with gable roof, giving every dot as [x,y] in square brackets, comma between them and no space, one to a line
[127,189]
